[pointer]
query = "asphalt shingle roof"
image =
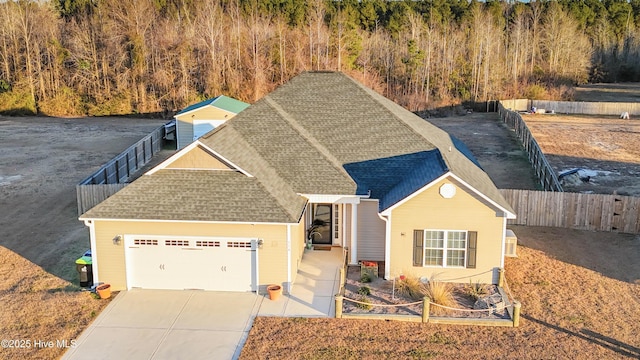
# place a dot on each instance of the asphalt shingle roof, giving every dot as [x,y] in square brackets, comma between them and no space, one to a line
[198,195]
[320,133]
[310,128]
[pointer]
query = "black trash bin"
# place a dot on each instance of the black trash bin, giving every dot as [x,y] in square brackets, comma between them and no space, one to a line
[85,270]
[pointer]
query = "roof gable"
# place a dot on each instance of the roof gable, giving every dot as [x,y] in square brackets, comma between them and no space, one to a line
[197,157]
[221,102]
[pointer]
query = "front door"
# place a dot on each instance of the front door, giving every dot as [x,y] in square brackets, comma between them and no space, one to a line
[321,220]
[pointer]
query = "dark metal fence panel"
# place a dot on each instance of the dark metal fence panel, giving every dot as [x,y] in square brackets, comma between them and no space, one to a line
[120,168]
[548,178]
[113,176]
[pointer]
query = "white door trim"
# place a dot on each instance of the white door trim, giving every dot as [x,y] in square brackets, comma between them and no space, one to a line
[129,238]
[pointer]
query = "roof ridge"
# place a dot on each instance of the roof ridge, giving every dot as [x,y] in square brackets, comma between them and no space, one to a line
[370,92]
[260,168]
[307,136]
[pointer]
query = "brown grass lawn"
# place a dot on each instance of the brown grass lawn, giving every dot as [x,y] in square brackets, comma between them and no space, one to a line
[568,312]
[35,305]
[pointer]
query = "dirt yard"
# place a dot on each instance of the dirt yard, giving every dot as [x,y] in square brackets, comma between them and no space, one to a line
[605,147]
[621,92]
[495,146]
[42,161]
[576,304]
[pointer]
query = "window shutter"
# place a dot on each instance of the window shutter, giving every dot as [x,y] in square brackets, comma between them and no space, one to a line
[472,247]
[418,247]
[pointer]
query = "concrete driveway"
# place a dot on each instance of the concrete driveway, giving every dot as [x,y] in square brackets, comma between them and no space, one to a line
[192,324]
[164,324]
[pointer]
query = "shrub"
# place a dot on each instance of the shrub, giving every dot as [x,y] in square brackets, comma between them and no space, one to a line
[364,290]
[17,101]
[442,294]
[536,92]
[411,287]
[119,104]
[365,278]
[65,102]
[475,291]
[367,303]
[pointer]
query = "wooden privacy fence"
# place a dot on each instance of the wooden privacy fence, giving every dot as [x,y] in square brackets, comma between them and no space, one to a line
[89,196]
[573,107]
[597,212]
[589,108]
[516,104]
[548,179]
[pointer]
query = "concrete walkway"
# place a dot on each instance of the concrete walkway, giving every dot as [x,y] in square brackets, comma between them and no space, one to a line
[192,324]
[313,289]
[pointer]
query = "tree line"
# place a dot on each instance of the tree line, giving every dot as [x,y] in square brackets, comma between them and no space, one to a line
[102,57]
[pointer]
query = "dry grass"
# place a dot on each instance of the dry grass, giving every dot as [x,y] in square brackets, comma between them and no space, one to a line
[411,287]
[39,306]
[568,312]
[475,290]
[440,293]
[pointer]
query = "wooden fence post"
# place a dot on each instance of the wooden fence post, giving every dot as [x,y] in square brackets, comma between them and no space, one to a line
[516,313]
[426,307]
[338,306]
[501,277]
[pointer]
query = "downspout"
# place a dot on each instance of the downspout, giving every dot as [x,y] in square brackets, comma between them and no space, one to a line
[387,245]
[504,237]
[354,234]
[288,286]
[94,252]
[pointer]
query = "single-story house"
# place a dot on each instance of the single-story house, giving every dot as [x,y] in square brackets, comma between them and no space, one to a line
[198,119]
[323,158]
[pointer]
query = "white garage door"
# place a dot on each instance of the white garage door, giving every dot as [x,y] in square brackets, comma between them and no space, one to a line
[221,264]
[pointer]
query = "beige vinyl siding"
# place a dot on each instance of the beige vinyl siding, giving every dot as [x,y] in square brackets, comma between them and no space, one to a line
[297,248]
[184,122]
[371,231]
[209,113]
[465,211]
[272,256]
[197,158]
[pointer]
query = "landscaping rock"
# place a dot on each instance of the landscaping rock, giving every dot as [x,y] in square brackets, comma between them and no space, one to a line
[491,303]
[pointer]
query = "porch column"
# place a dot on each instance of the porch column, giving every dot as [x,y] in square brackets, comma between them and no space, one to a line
[354,234]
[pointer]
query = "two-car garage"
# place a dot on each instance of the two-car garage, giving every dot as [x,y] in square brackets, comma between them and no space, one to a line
[178,263]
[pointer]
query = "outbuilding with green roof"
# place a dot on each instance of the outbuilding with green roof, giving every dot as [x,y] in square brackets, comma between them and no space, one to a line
[198,119]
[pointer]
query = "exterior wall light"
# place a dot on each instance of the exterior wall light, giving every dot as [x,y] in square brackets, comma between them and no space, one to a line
[117,239]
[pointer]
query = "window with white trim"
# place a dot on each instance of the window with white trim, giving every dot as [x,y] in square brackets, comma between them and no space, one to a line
[444,248]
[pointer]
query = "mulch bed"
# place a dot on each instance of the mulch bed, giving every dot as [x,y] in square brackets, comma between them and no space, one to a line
[382,293]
